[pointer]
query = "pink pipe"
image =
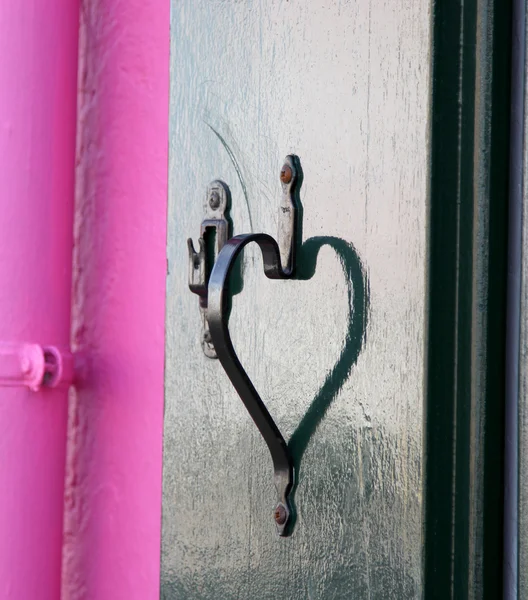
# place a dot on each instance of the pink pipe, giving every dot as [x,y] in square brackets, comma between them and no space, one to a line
[38,81]
[113,492]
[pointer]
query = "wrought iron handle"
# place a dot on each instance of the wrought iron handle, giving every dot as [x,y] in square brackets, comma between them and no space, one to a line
[218,327]
[279,263]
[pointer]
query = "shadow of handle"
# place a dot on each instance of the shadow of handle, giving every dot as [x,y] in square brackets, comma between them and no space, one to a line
[358,293]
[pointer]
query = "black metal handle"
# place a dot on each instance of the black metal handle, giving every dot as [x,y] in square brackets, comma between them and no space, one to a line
[279,263]
[218,327]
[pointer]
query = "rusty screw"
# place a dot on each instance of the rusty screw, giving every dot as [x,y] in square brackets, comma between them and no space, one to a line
[286,174]
[280,515]
[214,200]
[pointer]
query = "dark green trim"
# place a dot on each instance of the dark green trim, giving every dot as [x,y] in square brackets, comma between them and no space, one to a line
[499,167]
[467,285]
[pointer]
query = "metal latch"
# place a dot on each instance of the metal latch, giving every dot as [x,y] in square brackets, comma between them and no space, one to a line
[214,233]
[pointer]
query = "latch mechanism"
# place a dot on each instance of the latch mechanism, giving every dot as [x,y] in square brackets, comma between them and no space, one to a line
[214,233]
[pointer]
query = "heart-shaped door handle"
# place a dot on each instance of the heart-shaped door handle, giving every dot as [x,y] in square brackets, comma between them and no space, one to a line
[279,263]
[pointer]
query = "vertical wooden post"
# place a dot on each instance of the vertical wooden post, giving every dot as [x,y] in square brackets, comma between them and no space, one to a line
[113,489]
[38,88]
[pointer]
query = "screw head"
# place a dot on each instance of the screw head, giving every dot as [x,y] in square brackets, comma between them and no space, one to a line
[25,365]
[280,514]
[214,200]
[286,174]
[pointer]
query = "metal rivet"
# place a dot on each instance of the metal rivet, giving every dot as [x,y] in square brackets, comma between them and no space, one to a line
[286,174]
[280,515]
[214,200]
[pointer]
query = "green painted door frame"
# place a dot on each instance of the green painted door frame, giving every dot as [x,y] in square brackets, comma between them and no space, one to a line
[467,295]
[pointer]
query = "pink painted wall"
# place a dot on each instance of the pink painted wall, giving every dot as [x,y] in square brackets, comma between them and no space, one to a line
[38,90]
[113,485]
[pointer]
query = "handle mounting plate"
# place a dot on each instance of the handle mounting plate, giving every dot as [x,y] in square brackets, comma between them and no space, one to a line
[214,233]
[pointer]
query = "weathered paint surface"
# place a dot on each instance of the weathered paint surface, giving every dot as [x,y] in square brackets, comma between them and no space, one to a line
[338,354]
[38,74]
[113,491]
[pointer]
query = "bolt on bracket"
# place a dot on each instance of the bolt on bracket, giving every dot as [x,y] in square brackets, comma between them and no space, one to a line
[34,366]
